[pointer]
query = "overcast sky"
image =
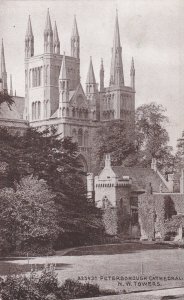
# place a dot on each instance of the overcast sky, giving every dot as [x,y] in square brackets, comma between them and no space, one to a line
[152,31]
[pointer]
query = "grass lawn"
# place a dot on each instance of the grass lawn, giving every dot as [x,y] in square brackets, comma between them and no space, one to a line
[109,266]
[112,249]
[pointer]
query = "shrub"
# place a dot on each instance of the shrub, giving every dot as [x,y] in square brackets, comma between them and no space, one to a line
[46,287]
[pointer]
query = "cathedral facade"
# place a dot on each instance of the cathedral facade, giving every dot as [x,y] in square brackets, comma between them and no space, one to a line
[55,97]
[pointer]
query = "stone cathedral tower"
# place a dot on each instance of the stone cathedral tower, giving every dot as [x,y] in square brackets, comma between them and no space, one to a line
[54,94]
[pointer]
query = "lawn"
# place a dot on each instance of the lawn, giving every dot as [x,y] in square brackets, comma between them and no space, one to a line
[129,266]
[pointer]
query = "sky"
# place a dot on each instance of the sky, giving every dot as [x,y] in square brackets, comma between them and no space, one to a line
[152,31]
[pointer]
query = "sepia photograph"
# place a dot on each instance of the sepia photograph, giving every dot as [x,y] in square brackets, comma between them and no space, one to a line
[91,149]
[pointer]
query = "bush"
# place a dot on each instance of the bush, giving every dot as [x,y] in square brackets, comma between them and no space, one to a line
[46,287]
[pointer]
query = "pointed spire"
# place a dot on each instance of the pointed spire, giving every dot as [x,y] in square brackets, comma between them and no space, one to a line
[116,74]
[55,36]
[75,41]
[3,74]
[48,26]
[29,40]
[48,35]
[63,72]
[75,29]
[101,76]
[11,87]
[117,42]
[3,65]
[29,31]
[132,70]
[132,74]
[56,42]
[90,76]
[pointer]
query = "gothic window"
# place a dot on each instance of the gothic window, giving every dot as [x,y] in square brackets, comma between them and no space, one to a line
[47,109]
[67,112]
[86,138]
[30,78]
[80,137]
[74,135]
[80,113]
[63,112]
[94,115]
[36,110]
[33,111]
[39,109]
[73,112]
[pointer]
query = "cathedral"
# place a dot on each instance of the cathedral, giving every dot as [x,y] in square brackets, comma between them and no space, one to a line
[54,94]
[55,97]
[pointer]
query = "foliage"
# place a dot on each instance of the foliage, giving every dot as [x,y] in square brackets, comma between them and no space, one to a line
[48,157]
[158,215]
[6,98]
[28,216]
[151,135]
[46,286]
[136,146]
[113,137]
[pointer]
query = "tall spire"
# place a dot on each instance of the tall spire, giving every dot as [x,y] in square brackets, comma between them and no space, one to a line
[11,87]
[63,82]
[48,35]
[132,74]
[75,40]
[3,74]
[63,72]
[29,31]
[48,25]
[101,76]
[91,86]
[90,76]
[29,40]
[56,42]
[75,29]
[116,74]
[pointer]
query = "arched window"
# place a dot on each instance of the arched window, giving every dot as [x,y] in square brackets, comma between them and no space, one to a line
[36,110]
[39,109]
[47,109]
[63,111]
[80,137]
[33,111]
[73,112]
[67,112]
[86,139]
[74,135]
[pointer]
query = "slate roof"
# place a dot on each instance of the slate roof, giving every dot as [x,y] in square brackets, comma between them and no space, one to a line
[141,177]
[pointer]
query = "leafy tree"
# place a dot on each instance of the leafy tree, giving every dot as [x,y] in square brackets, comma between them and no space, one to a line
[6,98]
[151,135]
[47,156]
[28,216]
[113,137]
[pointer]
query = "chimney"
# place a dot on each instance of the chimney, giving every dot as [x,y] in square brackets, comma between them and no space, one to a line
[107,161]
[154,164]
[182,182]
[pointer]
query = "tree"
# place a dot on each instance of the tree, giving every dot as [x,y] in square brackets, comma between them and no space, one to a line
[151,135]
[6,98]
[28,216]
[47,156]
[115,138]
